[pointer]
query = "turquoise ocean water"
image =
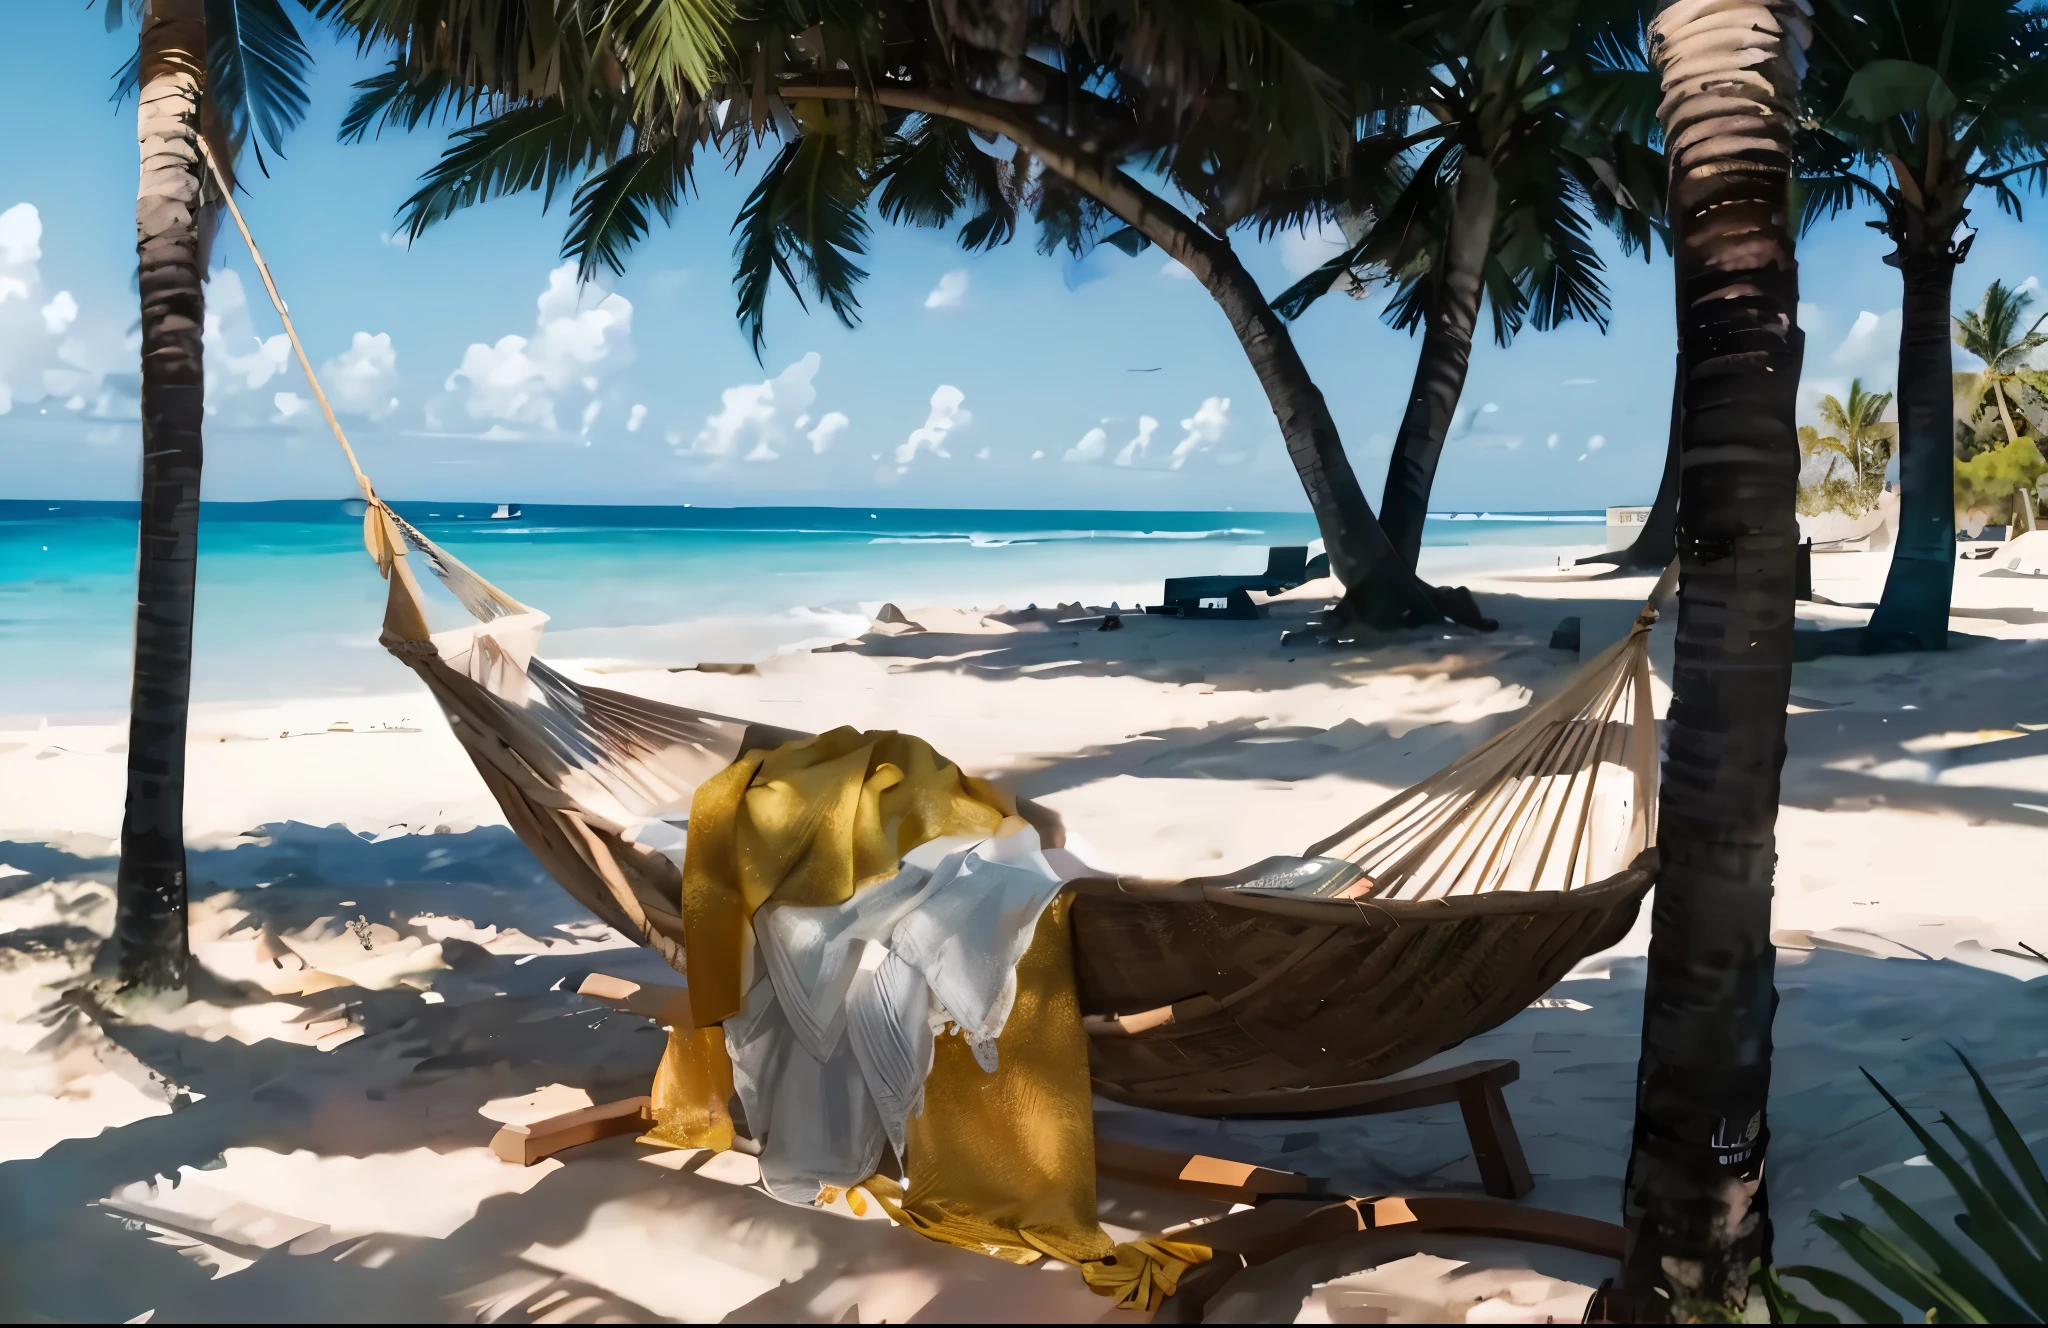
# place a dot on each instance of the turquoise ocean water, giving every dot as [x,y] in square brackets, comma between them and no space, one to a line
[289,604]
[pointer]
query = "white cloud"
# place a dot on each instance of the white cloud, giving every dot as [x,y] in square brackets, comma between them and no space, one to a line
[590,414]
[237,360]
[760,416]
[1140,445]
[1873,340]
[1038,456]
[360,379]
[982,455]
[1596,442]
[1551,442]
[60,313]
[289,404]
[1090,448]
[1869,350]
[1580,382]
[577,340]
[828,431]
[950,292]
[946,414]
[45,351]
[1202,429]
[635,418]
[1302,253]
[1172,268]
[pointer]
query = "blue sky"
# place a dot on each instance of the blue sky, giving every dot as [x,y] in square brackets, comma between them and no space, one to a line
[470,366]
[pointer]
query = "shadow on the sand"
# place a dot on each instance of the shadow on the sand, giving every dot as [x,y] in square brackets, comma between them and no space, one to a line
[1250,656]
[607,1237]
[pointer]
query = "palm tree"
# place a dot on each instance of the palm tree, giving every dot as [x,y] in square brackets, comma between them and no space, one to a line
[1694,1194]
[1941,98]
[1991,332]
[1859,437]
[227,71]
[1510,127]
[887,98]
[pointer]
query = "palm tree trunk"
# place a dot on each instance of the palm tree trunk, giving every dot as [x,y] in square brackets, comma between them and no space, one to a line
[1361,554]
[150,889]
[1446,358]
[1379,590]
[2012,435]
[1694,1196]
[1912,614]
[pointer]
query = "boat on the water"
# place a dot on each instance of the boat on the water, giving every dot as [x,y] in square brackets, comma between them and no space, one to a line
[506,511]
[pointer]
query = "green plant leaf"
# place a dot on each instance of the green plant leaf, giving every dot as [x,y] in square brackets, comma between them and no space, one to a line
[1895,1270]
[257,70]
[528,147]
[612,207]
[1882,89]
[1864,1303]
[1952,1267]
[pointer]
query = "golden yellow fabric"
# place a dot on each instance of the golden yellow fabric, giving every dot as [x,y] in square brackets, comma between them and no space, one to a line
[1000,1163]
[1141,1273]
[692,1086]
[1004,1163]
[810,823]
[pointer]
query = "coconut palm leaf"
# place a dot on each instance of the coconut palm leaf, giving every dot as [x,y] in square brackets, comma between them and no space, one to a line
[611,210]
[536,146]
[673,46]
[804,216]
[403,98]
[917,181]
[257,68]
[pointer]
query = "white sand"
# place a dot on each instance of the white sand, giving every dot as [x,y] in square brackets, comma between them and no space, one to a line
[386,974]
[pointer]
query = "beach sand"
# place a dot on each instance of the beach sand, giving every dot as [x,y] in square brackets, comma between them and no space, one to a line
[386,974]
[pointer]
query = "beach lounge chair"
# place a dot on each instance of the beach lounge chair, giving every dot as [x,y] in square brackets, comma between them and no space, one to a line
[1229,596]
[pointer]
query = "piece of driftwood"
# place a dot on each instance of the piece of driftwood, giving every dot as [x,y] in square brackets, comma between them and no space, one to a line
[537,1140]
[665,1004]
[1288,1214]
[1475,1087]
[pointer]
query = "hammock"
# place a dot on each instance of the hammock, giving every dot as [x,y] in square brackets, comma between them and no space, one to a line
[1431,918]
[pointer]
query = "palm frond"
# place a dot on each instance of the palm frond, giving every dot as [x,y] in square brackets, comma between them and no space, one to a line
[257,69]
[1823,197]
[1293,302]
[914,182]
[675,49]
[611,210]
[400,97]
[803,216]
[526,148]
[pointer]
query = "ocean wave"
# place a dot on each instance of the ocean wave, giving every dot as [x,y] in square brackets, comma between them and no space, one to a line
[1567,519]
[997,541]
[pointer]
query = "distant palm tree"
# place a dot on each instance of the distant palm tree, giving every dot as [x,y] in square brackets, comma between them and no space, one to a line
[1941,98]
[1859,436]
[1508,139]
[1694,1196]
[1991,332]
[230,71]
[908,102]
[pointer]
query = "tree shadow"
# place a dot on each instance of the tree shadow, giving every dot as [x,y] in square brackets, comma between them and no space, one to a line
[1250,655]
